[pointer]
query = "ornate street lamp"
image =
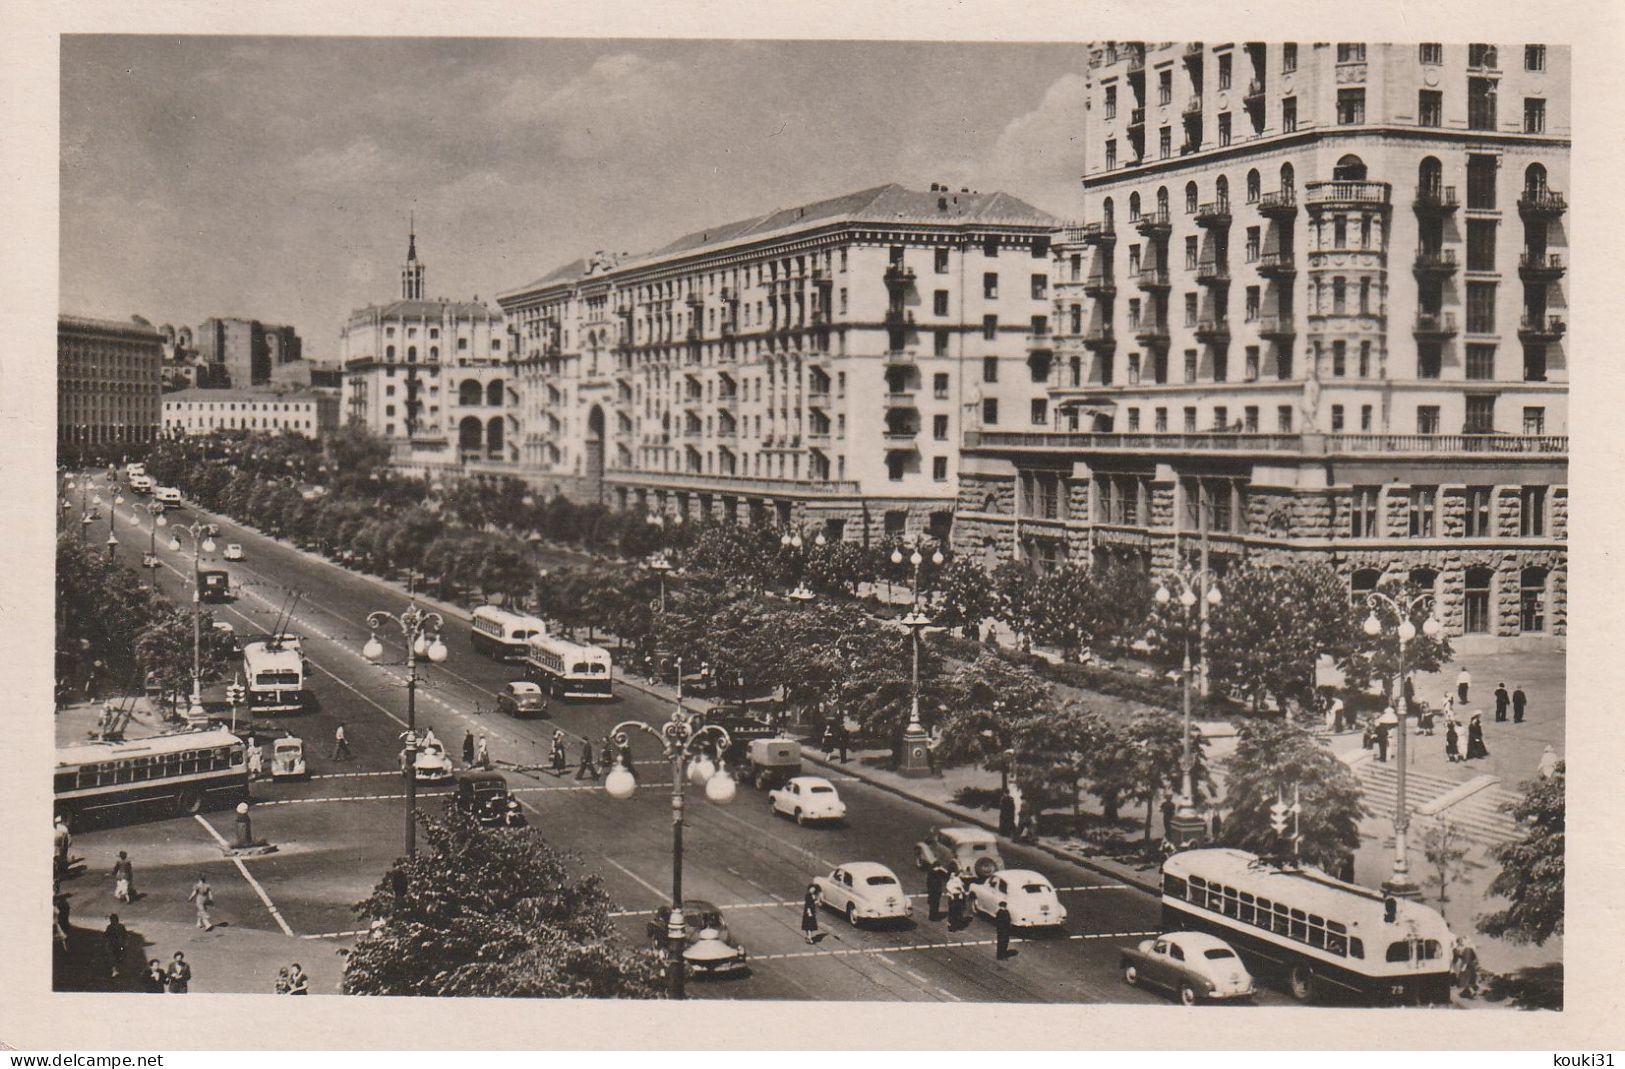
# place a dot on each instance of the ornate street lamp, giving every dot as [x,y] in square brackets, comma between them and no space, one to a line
[422,633]
[916,759]
[1187,826]
[201,544]
[680,739]
[1400,884]
[661,566]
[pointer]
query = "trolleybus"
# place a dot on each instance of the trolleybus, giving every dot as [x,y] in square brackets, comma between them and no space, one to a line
[568,669]
[179,773]
[503,635]
[274,674]
[1322,935]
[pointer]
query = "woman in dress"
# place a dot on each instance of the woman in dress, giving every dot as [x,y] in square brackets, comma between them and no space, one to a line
[1452,741]
[809,915]
[1475,739]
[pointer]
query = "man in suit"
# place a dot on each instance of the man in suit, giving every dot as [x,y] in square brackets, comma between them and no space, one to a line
[1519,701]
[1501,700]
[1003,926]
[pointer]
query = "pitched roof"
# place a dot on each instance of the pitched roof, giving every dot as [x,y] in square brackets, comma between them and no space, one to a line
[887,204]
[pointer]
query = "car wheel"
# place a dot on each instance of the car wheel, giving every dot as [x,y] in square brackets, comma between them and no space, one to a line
[1187,994]
[852,914]
[1131,976]
[1302,983]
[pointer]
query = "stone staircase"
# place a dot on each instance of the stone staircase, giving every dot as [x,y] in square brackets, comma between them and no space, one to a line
[1434,798]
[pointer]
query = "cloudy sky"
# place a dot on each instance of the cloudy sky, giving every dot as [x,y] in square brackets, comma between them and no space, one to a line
[272,178]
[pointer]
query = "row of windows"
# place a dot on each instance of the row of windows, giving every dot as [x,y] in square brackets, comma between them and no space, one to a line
[1422,512]
[145,768]
[1478,595]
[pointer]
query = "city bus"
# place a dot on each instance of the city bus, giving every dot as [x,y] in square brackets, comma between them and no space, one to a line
[180,773]
[568,669]
[503,635]
[274,675]
[1325,937]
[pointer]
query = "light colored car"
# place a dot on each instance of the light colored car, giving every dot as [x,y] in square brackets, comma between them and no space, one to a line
[864,891]
[1194,965]
[288,758]
[1028,895]
[808,798]
[432,764]
[234,552]
[971,852]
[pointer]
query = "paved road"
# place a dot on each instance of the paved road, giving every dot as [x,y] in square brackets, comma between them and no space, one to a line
[340,830]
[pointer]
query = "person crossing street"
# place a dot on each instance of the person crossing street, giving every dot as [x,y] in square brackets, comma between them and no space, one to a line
[341,745]
[202,897]
[587,769]
[936,877]
[1003,925]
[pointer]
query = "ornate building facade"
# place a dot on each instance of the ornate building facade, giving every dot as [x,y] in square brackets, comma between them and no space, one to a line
[109,375]
[1315,312]
[817,364]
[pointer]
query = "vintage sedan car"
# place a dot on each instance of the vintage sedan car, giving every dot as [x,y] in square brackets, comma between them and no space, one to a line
[288,758]
[1028,895]
[972,852]
[808,798]
[864,891]
[522,698]
[709,948]
[484,796]
[432,764]
[1194,965]
[234,552]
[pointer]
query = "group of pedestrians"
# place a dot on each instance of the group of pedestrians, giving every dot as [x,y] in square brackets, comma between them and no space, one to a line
[945,886]
[475,754]
[291,980]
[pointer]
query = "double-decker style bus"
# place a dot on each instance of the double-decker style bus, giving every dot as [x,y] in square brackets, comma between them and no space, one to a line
[274,675]
[503,635]
[568,669]
[1324,936]
[180,773]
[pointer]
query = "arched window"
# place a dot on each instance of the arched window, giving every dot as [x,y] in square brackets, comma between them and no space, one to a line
[1190,197]
[1532,599]
[1476,601]
[469,393]
[1425,580]
[493,392]
[1133,207]
[411,354]
[1349,169]
[468,433]
[493,433]
[1221,189]
[1429,176]
[1162,200]
[1534,178]
[1287,176]
[434,353]
[1254,187]
[1106,211]
[1361,583]
[389,352]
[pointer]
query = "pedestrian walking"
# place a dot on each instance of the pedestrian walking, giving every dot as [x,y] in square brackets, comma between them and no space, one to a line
[1447,705]
[341,745]
[123,878]
[558,755]
[1333,717]
[468,749]
[1464,680]
[587,769]
[1502,700]
[1409,690]
[955,890]
[1475,739]
[117,938]
[179,981]
[482,756]
[255,757]
[809,915]
[1007,814]
[1002,927]
[202,897]
[155,980]
[1548,763]
[1387,723]
[281,984]
[298,982]
[1369,738]
[936,877]
[1520,702]
[1464,966]
[1452,741]
[62,842]
[1168,809]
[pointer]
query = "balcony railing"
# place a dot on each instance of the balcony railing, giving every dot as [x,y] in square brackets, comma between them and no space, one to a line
[899,317]
[1153,278]
[1255,442]
[900,399]
[1435,262]
[900,436]
[1136,117]
[1152,334]
[1277,265]
[1214,213]
[1255,91]
[1044,342]
[1435,200]
[1212,273]
[1548,444]
[731,483]
[1193,107]
[1542,202]
[1136,60]
[1212,329]
[1540,267]
[1435,324]
[1154,223]
[1100,335]
[1100,285]
[1283,203]
[1353,194]
[899,275]
[1276,326]
[1542,327]
[1092,234]
[900,356]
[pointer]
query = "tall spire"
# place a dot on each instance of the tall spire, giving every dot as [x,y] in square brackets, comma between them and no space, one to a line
[412,237]
[412,273]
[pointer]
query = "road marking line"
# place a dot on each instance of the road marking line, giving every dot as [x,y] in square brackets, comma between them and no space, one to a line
[352,775]
[657,892]
[337,935]
[914,947]
[276,914]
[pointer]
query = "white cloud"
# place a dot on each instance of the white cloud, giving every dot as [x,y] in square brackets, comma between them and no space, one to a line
[623,100]
[360,159]
[1041,153]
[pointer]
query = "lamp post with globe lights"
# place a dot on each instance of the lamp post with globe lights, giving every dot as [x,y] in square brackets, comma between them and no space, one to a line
[112,540]
[421,630]
[1187,826]
[916,757]
[202,542]
[661,567]
[681,739]
[1399,884]
[792,542]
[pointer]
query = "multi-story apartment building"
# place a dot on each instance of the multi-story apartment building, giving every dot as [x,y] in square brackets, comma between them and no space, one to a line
[1315,312]
[108,380]
[243,352]
[429,375]
[283,411]
[815,364]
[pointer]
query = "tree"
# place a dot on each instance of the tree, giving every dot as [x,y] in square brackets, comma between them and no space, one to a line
[1057,603]
[1117,601]
[990,699]
[1012,591]
[965,596]
[1265,637]
[1272,758]
[493,913]
[1155,743]
[1369,657]
[1531,876]
[1056,754]
[1444,847]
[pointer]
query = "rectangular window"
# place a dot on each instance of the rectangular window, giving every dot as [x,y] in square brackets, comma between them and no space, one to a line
[990,247]
[1254,240]
[1111,102]
[939,386]
[1224,70]
[1111,154]
[1365,296]
[1481,244]
[990,285]
[1534,57]
[990,328]
[1351,53]
[1161,421]
[1365,417]
[1190,253]
[1429,107]
[1481,362]
[1480,416]
[1251,371]
[1340,232]
[1423,511]
[1253,298]
[1040,287]
[1190,365]
[1365,360]
[1427,419]
[1289,58]
[1476,602]
[1534,115]
[1481,104]
[1363,512]
[1283,419]
[1190,309]
[1221,417]
[1350,107]
[1165,86]
[1481,56]
[1481,181]
[1165,143]
[1481,308]
[1190,420]
[940,342]
[1339,358]
[1040,411]
[1478,512]
[940,260]
[939,428]
[1534,419]
[939,469]
[990,369]
[939,303]
[1532,512]
[1133,419]
[990,411]
[1249,419]
[1224,129]
[1289,115]
[1431,54]
[1339,295]
[1337,419]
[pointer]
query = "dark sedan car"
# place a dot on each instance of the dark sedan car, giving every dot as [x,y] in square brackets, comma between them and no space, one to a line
[709,949]
[522,699]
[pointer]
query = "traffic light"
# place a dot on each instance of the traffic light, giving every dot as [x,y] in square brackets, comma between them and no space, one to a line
[1278,815]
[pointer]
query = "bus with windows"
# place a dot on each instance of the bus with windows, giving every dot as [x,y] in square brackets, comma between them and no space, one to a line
[567,669]
[503,635]
[170,774]
[274,675]
[1326,938]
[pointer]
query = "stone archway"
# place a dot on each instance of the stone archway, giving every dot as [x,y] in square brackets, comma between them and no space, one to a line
[595,451]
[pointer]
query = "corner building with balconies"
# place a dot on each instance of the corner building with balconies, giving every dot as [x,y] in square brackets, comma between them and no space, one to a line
[1314,311]
[809,367]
